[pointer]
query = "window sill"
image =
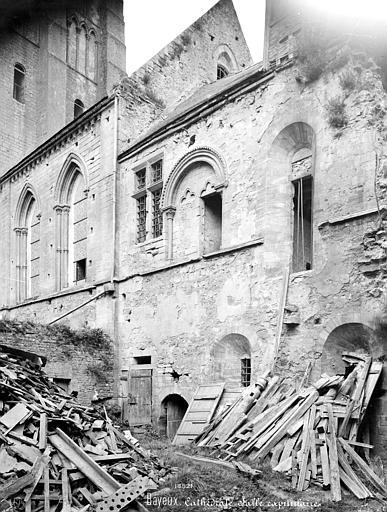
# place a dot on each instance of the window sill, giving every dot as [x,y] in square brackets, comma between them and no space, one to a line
[303,273]
[61,293]
[149,242]
[232,248]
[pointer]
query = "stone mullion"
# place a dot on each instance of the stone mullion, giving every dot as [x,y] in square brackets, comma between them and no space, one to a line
[23,263]
[18,263]
[169,214]
[65,246]
[58,247]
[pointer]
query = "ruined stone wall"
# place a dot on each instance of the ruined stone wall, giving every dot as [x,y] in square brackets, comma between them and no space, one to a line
[256,135]
[185,64]
[81,359]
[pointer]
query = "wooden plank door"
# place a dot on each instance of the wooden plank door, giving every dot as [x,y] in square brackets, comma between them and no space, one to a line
[199,412]
[140,397]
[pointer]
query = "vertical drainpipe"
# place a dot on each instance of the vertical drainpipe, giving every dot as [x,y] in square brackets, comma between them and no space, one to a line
[114,251]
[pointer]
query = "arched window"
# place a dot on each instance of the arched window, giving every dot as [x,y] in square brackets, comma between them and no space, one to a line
[27,248]
[71,229]
[72,42]
[79,108]
[19,76]
[92,56]
[226,62]
[221,72]
[231,360]
[82,46]
[192,203]
[293,158]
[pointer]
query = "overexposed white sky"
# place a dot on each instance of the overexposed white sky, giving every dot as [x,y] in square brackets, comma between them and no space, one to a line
[152,24]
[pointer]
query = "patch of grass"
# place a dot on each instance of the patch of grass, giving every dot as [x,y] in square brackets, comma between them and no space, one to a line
[337,117]
[146,78]
[185,39]
[349,80]
[152,96]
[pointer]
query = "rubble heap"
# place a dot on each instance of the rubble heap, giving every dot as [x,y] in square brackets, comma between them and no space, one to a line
[310,433]
[54,451]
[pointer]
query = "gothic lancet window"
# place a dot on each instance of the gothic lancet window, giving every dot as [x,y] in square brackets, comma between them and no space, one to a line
[19,76]
[27,248]
[71,230]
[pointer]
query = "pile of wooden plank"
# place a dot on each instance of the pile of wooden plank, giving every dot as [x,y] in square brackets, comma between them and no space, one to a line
[310,433]
[56,454]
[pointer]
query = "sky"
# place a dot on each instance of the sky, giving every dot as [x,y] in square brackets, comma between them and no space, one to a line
[152,24]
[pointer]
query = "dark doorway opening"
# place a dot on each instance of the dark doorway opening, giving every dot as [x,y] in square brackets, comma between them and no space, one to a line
[173,409]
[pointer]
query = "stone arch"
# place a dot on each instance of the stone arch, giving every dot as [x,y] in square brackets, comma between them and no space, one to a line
[27,194]
[292,160]
[224,56]
[182,167]
[202,167]
[350,334]
[27,244]
[71,166]
[226,357]
[173,409]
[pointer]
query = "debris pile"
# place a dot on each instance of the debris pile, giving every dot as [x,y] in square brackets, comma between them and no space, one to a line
[54,451]
[311,433]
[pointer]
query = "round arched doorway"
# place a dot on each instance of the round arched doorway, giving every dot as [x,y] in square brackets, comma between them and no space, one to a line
[173,408]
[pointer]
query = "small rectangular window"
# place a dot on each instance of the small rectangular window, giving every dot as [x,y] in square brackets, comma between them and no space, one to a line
[142,360]
[80,270]
[141,179]
[157,171]
[18,82]
[245,372]
[212,223]
[62,383]
[157,218]
[141,219]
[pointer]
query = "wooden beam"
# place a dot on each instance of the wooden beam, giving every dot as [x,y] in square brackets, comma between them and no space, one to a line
[83,462]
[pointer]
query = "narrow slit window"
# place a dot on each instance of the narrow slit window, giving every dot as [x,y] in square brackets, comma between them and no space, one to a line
[157,218]
[79,108]
[245,372]
[303,227]
[141,219]
[19,76]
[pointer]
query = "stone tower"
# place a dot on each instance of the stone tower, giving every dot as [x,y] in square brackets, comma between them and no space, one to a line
[55,62]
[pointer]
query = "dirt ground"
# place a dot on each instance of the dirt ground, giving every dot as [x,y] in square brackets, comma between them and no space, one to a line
[204,487]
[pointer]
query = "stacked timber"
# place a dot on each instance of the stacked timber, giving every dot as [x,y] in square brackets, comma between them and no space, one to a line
[58,454]
[311,434]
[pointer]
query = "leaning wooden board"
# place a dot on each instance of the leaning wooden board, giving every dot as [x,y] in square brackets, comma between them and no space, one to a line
[199,412]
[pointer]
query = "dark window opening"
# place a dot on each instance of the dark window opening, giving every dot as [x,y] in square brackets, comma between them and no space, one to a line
[142,360]
[141,179]
[157,218]
[212,223]
[19,76]
[157,171]
[245,372]
[303,228]
[221,72]
[62,383]
[79,108]
[80,270]
[141,219]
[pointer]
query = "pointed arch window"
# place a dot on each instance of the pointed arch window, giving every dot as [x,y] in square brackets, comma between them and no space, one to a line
[79,108]
[71,230]
[27,249]
[19,76]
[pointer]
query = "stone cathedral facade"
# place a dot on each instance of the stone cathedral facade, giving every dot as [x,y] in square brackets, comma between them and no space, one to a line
[215,217]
